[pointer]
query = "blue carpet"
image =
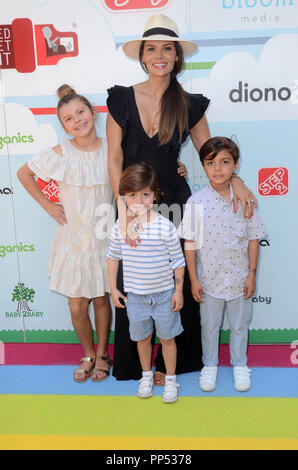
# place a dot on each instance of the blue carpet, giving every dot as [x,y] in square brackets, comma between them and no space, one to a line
[57,380]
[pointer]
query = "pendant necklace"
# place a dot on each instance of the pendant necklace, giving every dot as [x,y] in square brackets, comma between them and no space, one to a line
[154,123]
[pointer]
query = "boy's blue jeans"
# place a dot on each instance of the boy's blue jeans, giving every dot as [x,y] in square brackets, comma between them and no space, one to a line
[239,315]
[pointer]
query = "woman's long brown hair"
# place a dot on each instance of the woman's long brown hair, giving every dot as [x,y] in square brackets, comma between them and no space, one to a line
[174,101]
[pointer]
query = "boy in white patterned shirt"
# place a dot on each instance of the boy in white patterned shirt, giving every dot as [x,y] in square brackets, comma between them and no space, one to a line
[223,269]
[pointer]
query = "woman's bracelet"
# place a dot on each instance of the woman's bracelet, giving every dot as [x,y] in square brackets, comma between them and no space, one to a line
[234,175]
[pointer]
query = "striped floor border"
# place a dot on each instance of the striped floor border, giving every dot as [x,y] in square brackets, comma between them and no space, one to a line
[259,355]
[61,442]
[117,422]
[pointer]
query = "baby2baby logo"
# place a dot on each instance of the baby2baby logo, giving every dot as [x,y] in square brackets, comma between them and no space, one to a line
[20,40]
[125,5]
[23,296]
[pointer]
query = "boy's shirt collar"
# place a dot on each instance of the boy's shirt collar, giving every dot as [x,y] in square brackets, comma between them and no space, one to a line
[221,198]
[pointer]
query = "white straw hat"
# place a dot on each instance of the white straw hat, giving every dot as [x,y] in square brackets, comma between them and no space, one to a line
[158,28]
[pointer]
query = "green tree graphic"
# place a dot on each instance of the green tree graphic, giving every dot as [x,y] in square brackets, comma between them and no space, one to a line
[23,295]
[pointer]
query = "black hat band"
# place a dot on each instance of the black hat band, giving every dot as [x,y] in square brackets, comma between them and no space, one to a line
[165,31]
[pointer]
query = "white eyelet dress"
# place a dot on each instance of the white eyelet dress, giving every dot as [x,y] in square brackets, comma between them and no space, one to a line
[77,264]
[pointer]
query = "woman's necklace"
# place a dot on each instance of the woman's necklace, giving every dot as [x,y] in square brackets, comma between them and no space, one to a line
[154,123]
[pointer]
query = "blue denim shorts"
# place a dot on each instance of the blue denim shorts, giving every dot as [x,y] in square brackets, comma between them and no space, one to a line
[144,311]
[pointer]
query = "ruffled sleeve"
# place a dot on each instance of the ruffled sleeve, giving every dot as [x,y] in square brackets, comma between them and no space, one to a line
[83,169]
[39,164]
[117,103]
[197,106]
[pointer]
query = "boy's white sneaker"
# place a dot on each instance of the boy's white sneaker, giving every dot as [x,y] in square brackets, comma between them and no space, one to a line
[170,392]
[242,381]
[145,387]
[208,378]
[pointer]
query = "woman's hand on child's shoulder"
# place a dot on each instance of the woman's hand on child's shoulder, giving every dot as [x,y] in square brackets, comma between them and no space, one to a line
[243,196]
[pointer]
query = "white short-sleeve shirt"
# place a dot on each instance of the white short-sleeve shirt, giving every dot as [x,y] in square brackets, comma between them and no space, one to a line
[222,257]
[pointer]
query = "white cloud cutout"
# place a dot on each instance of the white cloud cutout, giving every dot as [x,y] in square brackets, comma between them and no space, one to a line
[273,74]
[20,134]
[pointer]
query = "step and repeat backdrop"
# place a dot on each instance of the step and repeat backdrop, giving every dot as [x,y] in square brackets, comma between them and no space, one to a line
[246,64]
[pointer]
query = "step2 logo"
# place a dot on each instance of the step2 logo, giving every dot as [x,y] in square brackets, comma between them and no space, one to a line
[129,5]
[50,189]
[20,40]
[273,181]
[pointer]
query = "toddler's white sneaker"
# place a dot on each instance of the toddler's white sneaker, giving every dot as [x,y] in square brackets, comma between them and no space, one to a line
[242,381]
[145,387]
[170,392]
[208,378]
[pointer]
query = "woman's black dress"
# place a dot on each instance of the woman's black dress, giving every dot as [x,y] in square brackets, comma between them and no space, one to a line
[138,146]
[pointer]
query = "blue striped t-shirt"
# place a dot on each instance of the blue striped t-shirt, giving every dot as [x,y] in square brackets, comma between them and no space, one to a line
[148,267]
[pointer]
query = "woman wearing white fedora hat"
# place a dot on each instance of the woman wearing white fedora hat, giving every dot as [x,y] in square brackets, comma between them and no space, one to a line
[149,122]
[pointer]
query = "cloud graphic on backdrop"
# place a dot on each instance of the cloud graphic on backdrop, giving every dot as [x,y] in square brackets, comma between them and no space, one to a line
[22,135]
[242,88]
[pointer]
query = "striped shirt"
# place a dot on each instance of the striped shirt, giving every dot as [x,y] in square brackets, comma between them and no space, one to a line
[148,267]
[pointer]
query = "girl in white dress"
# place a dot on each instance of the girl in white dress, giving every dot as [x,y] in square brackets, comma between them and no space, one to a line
[77,265]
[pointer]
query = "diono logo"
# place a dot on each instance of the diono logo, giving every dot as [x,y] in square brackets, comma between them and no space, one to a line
[124,5]
[256,3]
[19,41]
[273,181]
[244,94]
[50,189]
